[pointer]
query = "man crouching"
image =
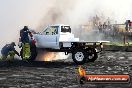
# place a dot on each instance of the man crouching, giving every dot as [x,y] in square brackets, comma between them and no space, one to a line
[9,49]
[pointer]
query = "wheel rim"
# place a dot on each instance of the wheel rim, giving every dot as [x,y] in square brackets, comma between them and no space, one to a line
[79,56]
[91,56]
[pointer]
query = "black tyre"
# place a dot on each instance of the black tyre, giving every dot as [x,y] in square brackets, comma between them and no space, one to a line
[33,51]
[92,55]
[79,56]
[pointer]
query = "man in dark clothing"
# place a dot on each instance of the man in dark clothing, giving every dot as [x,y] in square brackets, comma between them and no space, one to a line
[9,49]
[24,35]
[25,43]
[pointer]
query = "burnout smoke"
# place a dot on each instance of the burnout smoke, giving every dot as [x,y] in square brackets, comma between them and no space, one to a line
[38,14]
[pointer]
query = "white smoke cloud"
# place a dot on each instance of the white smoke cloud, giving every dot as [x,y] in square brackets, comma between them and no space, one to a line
[39,13]
[76,12]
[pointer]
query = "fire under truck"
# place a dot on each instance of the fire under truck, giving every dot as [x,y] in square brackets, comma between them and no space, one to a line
[59,38]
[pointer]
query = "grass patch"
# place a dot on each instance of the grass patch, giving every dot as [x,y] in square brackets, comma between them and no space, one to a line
[115,43]
[119,43]
[130,43]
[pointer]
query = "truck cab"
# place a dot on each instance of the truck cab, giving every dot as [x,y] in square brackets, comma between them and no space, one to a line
[53,35]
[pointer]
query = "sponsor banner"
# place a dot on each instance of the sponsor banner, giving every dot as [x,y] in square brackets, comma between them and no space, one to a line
[107,78]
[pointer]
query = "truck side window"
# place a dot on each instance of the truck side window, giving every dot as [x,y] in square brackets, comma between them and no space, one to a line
[52,30]
[46,31]
[65,29]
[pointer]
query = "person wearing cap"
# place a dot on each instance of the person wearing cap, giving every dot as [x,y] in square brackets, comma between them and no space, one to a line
[9,49]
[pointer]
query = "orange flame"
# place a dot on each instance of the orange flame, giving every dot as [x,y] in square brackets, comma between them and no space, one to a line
[81,71]
[49,56]
[45,56]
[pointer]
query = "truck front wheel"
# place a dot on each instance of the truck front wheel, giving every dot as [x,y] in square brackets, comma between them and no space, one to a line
[79,56]
[33,50]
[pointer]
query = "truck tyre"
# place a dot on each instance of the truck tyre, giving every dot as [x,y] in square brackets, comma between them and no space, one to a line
[33,50]
[79,56]
[92,55]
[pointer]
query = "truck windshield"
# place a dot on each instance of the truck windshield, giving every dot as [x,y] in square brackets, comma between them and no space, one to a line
[65,29]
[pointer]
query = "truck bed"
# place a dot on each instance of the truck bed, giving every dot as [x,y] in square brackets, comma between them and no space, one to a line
[85,41]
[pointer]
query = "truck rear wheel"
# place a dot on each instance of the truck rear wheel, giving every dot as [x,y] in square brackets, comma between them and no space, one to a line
[92,55]
[79,56]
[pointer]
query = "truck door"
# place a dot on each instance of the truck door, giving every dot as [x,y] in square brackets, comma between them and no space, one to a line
[49,37]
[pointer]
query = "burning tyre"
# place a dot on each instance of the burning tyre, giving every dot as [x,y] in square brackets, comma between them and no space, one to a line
[79,56]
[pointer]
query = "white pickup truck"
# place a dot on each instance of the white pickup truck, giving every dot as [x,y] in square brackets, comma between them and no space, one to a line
[58,38]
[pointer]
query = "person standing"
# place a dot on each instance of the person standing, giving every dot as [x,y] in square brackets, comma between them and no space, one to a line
[25,34]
